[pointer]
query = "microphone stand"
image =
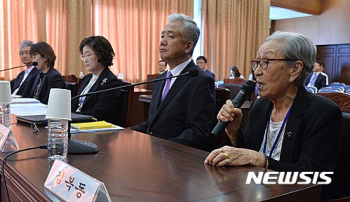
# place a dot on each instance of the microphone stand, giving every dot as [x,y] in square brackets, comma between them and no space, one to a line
[12,68]
[130,85]
[84,147]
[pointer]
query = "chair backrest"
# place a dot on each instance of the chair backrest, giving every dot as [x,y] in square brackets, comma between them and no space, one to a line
[72,83]
[311,89]
[235,80]
[126,105]
[221,95]
[340,186]
[234,89]
[341,99]
[150,86]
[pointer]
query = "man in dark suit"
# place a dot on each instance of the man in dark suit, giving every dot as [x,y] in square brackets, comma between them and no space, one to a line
[182,109]
[202,63]
[24,81]
[318,78]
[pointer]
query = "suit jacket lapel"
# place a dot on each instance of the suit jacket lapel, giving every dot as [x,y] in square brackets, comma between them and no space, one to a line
[18,80]
[178,84]
[299,108]
[97,84]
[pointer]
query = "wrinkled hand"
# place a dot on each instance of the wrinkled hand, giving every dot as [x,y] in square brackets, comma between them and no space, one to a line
[231,156]
[234,115]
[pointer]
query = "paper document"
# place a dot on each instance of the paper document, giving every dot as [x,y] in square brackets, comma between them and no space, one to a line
[97,126]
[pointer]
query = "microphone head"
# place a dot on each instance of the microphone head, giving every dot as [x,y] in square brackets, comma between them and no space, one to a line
[193,72]
[35,64]
[248,87]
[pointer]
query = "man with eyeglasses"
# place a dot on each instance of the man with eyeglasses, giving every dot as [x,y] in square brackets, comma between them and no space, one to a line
[23,83]
[202,63]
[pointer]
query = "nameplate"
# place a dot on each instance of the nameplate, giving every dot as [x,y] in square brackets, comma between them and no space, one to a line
[70,184]
[4,133]
[8,142]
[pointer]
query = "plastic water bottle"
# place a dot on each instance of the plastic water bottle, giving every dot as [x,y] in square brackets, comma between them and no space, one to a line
[6,115]
[57,140]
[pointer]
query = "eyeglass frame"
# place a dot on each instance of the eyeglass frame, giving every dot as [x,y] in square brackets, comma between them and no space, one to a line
[254,62]
[82,57]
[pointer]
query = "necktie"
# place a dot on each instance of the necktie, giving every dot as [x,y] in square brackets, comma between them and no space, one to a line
[313,79]
[167,85]
[37,89]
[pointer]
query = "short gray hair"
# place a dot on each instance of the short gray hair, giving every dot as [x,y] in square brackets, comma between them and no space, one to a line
[190,31]
[297,47]
[25,43]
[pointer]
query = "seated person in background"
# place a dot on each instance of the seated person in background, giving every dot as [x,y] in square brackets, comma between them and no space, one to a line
[318,78]
[162,66]
[202,63]
[289,128]
[22,85]
[48,77]
[97,54]
[182,109]
[234,73]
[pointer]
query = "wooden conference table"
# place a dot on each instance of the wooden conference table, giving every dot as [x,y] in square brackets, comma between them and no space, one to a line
[138,167]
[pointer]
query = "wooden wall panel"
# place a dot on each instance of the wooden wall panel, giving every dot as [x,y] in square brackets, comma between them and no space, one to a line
[343,66]
[337,62]
[330,27]
[306,6]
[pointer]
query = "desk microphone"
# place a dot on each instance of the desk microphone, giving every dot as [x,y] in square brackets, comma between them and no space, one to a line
[33,64]
[246,90]
[191,73]
[84,147]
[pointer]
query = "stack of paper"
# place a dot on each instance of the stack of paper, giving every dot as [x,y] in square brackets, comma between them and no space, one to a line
[92,125]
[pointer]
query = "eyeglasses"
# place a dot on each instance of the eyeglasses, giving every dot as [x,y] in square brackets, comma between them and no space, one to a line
[82,57]
[24,53]
[264,63]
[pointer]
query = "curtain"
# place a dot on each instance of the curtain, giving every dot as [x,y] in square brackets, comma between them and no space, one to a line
[60,23]
[17,20]
[232,32]
[133,27]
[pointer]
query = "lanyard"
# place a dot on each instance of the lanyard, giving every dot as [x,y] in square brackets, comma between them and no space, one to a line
[279,133]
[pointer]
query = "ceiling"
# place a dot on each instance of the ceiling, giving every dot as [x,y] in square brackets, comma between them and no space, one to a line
[277,13]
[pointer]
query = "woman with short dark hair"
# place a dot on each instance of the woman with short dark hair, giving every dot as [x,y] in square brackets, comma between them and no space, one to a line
[48,77]
[97,54]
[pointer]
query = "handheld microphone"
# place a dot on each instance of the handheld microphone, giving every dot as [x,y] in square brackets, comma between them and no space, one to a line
[246,90]
[34,64]
[191,73]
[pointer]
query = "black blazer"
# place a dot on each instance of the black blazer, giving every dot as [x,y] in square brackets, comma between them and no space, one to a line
[320,82]
[312,135]
[52,79]
[186,114]
[27,85]
[102,106]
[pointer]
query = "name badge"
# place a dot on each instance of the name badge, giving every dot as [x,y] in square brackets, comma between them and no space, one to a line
[70,184]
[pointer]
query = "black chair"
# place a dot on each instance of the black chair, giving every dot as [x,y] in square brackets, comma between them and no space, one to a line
[221,94]
[340,186]
[125,105]
[234,89]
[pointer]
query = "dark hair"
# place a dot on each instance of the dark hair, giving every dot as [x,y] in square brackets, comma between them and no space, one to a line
[320,63]
[237,73]
[102,48]
[202,58]
[45,50]
[163,61]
